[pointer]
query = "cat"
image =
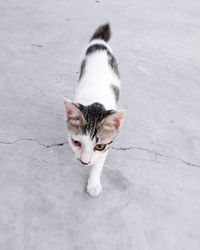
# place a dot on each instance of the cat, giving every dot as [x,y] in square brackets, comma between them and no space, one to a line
[92,118]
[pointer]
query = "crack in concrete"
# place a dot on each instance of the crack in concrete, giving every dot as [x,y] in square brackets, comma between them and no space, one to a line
[156,154]
[189,163]
[38,142]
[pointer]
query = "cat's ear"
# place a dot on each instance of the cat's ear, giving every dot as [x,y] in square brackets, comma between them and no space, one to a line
[72,113]
[114,120]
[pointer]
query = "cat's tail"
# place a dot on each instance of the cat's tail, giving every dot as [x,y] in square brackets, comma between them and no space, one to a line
[103,32]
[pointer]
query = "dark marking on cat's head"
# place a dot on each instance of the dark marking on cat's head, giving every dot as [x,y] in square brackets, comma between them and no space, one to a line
[93,115]
[93,120]
[103,32]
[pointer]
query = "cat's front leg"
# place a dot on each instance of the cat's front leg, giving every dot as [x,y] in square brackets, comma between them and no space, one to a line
[94,186]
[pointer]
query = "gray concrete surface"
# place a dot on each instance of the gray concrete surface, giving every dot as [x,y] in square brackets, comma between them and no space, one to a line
[151,195]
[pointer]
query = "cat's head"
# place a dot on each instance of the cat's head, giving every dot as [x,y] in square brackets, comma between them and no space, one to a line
[91,129]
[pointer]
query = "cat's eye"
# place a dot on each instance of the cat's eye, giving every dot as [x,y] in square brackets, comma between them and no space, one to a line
[100,147]
[76,143]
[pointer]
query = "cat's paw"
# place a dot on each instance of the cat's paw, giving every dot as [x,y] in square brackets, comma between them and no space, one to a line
[94,189]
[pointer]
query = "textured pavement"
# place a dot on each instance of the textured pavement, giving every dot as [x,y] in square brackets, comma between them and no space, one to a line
[151,180]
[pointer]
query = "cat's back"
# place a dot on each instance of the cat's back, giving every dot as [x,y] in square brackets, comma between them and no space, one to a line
[99,76]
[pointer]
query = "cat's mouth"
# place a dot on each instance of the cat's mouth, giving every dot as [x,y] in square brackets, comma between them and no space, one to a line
[84,163]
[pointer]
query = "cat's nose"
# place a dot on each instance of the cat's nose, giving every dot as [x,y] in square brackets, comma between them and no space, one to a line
[85,163]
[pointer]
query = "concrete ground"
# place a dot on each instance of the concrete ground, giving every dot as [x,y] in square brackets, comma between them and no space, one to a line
[151,180]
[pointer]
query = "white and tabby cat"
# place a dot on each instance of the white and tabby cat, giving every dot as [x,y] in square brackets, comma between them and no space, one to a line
[92,119]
